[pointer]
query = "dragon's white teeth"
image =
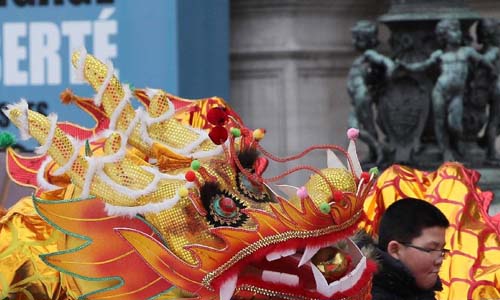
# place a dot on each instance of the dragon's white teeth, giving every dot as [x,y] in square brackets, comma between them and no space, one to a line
[288,252]
[283,278]
[227,288]
[289,279]
[279,254]
[309,252]
[321,283]
[273,256]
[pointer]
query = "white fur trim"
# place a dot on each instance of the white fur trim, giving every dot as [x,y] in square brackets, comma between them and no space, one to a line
[163,117]
[145,136]
[151,92]
[80,68]
[151,187]
[113,210]
[112,158]
[42,182]
[161,175]
[119,108]
[139,113]
[104,86]
[76,144]
[93,165]
[42,149]
[22,105]
[216,151]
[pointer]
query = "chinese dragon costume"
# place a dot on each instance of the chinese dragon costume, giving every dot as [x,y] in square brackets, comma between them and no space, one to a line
[170,201]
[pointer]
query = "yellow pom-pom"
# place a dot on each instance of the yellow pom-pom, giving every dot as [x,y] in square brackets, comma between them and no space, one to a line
[258,134]
[183,192]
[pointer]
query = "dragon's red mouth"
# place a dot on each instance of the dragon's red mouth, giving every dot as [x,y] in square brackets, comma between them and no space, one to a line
[292,273]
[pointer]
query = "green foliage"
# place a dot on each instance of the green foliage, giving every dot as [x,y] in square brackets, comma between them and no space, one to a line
[7,139]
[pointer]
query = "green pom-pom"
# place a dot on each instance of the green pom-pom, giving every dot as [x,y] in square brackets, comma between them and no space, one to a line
[195,165]
[325,208]
[6,139]
[374,171]
[236,132]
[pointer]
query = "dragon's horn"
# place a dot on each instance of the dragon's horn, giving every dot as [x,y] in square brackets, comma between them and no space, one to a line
[146,130]
[106,176]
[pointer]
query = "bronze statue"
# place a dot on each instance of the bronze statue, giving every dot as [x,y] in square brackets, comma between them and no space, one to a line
[488,36]
[448,91]
[366,73]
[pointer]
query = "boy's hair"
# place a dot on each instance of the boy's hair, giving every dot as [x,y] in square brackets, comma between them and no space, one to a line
[405,219]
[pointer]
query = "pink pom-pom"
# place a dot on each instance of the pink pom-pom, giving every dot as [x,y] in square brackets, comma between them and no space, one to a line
[352,133]
[302,193]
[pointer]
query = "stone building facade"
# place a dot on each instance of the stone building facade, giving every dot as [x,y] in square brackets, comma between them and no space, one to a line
[289,64]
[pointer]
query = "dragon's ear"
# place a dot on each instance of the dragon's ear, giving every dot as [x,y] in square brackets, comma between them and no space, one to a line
[163,261]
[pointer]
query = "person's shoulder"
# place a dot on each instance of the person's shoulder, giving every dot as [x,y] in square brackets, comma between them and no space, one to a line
[379,293]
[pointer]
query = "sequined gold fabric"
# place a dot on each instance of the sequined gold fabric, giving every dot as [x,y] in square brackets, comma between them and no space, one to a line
[319,189]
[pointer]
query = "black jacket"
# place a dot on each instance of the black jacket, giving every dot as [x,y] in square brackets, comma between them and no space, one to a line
[394,281]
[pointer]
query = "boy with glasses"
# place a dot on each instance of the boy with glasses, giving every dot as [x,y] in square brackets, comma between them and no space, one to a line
[410,250]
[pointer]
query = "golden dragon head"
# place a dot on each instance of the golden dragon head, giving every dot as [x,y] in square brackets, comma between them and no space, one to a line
[194,174]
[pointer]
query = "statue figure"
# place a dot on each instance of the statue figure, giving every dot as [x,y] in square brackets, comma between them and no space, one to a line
[449,89]
[487,35]
[366,73]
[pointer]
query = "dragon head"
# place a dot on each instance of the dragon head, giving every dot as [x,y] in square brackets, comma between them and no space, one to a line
[194,173]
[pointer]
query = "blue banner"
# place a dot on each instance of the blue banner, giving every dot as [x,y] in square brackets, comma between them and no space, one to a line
[141,39]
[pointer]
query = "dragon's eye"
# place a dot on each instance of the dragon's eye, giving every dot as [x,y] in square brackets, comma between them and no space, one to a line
[223,209]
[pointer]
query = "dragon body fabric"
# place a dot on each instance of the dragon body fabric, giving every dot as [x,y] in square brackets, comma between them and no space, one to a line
[169,201]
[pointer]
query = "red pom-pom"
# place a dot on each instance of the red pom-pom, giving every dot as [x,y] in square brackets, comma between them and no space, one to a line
[338,195]
[218,135]
[227,205]
[365,176]
[217,116]
[190,176]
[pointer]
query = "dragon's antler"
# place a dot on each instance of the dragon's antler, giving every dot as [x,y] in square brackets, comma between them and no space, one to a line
[154,132]
[109,175]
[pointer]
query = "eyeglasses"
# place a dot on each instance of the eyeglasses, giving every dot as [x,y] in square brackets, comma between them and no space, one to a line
[443,252]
